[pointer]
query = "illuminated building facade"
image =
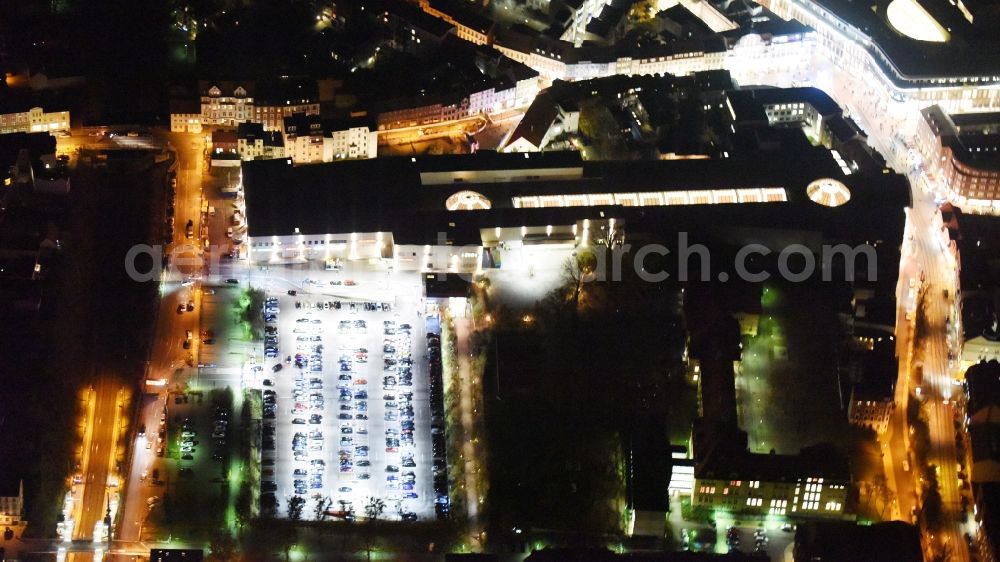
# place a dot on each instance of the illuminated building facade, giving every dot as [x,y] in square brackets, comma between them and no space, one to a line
[228,104]
[842,41]
[810,485]
[34,120]
[962,152]
[452,213]
[12,506]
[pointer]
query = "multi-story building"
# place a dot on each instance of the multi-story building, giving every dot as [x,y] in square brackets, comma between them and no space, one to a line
[185,116]
[350,140]
[873,372]
[34,120]
[908,56]
[228,104]
[407,113]
[469,25]
[580,12]
[284,97]
[962,152]
[253,142]
[413,30]
[983,422]
[812,484]
[12,504]
[308,139]
[452,213]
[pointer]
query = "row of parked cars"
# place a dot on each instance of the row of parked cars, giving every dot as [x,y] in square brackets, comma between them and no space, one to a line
[271,311]
[168,223]
[442,505]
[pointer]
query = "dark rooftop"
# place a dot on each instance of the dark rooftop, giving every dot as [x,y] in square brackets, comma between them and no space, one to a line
[536,120]
[970,52]
[280,91]
[416,17]
[282,197]
[463,15]
[819,461]
[983,380]
[972,137]
[748,104]
[837,541]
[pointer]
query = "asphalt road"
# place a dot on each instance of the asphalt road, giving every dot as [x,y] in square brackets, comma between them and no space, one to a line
[99,458]
[925,254]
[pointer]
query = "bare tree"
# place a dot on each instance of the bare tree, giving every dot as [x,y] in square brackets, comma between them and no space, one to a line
[373,510]
[295,505]
[322,504]
[578,270]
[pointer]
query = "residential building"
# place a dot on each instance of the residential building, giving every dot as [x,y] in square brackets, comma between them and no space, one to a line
[536,128]
[412,30]
[427,110]
[185,116]
[983,422]
[12,504]
[34,120]
[284,97]
[962,153]
[580,13]
[224,141]
[253,142]
[350,139]
[226,103]
[303,138]
[873,371]
[309,139]
[229,103]
[469,25]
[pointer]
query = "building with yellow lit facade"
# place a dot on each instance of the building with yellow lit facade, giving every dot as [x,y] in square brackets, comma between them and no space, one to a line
[34,120]
[812,484]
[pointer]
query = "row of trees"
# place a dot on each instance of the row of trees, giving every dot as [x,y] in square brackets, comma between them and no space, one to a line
[260,538]
[599,361]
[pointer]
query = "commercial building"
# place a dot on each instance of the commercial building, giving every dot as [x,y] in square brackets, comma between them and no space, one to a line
[34,120]
[962,152]
[452,213]
[917,52]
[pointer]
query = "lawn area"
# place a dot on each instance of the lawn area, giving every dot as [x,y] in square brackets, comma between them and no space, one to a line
[788,385]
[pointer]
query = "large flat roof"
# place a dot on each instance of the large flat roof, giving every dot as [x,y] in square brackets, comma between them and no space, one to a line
[970,51]
[386,195]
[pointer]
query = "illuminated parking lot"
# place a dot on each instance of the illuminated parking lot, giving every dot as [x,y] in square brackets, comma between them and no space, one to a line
[349,422]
